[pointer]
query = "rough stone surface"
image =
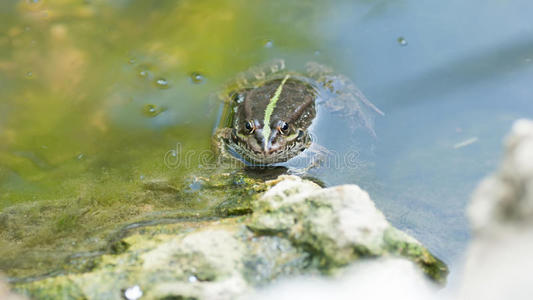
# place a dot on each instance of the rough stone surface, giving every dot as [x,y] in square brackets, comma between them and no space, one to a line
[297,228]
[501,213]
[338,224]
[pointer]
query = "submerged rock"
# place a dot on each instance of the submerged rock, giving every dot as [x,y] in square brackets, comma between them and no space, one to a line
[296,228]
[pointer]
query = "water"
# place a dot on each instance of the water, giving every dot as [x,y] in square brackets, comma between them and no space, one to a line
[95,94]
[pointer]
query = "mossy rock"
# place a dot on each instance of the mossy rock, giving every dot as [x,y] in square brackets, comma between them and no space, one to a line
[296,228]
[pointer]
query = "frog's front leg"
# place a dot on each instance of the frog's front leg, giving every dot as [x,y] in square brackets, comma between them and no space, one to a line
[220,138]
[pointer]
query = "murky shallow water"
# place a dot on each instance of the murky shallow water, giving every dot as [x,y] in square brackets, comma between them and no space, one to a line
[94,94]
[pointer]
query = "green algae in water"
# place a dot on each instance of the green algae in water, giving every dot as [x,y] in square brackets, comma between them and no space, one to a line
[112,83]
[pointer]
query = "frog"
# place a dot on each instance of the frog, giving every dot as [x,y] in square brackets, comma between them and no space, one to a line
[269,111]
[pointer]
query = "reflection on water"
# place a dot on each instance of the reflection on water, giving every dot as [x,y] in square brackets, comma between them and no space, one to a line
[93,94]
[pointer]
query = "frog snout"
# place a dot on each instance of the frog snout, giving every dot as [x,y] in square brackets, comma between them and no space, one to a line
[268,148]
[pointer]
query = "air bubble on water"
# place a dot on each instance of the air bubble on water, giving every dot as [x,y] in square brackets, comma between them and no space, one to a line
[197,78]
[151,110]
[269,44]
[143,70]
[317,53]
[162,83]
[29,75]
[133,293]
[132,61]
[402,41]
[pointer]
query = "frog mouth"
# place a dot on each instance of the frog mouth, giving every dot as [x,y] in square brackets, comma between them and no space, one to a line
[243,152]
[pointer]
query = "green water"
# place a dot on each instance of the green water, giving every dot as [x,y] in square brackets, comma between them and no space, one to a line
[95,94]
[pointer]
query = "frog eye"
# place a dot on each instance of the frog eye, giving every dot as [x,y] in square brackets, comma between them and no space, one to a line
[283,127]
[250,126]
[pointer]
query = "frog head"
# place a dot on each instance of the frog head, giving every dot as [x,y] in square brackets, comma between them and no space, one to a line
[271,120]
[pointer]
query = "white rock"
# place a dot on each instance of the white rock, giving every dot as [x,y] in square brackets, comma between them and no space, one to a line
[377,280]
[499,262]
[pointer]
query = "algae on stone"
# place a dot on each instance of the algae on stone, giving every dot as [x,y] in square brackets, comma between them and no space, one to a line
[296,228]
[338,225]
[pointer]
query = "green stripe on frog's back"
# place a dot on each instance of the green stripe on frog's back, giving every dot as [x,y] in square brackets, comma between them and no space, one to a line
[270,109]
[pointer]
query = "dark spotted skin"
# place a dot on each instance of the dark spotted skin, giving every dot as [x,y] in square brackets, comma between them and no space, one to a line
[295,107]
